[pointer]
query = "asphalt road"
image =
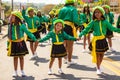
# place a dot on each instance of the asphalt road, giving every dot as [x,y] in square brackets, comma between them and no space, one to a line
[84,69]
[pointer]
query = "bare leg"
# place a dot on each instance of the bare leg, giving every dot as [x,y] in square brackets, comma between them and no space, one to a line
[35,46]
[70,49]
[15,63]
[31,47]
[84,42]
[21,62]
[101,57]
[51,63]
[65,44]
[60,62]
[89,39]
[60,65]
[98,60]
[110,42]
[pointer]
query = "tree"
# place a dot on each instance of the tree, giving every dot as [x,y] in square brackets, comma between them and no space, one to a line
[47,8]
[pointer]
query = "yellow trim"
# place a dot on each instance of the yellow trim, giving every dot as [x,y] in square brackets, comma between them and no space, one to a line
[100,24]
[32,24]
[60,54]
[15,33]
[95,38]
[57,39]
[58,43]
[85,25]
[32,30]
[18,40]
[10,44]
[73,27]
[9,48]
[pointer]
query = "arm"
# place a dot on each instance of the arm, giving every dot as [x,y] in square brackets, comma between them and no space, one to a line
[24,13]
[112,18]
[111,28]
[28,32]
[66,36]
[87,29]
[48,36]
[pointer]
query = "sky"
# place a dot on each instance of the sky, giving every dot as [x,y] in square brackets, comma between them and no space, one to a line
[39,1]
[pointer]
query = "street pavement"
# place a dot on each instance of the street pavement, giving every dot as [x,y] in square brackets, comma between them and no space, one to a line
[4,32]
[84,69]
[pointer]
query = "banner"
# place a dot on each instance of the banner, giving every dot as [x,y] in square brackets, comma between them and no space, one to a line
[80,2]
[96,2]
[87,1]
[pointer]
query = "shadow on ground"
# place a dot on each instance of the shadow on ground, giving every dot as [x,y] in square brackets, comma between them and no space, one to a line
[38,60]
[24,78]
[103,76]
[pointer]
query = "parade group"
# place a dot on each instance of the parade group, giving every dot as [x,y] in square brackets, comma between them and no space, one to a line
[62,30]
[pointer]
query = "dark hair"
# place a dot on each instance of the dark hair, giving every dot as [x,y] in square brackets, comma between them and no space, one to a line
[40,14]
[93,17]
[17,21]
[88,10]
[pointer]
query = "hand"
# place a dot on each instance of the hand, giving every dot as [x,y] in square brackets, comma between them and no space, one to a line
[23,7]
[37,41]
[7,49]
[77,39]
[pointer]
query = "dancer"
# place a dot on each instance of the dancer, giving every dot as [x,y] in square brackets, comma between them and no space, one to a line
[58,49]
[16,44]
[99,45]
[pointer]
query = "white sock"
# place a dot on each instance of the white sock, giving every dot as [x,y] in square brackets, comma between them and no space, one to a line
[22,72]
[15,71]
[50,69]
[60,69]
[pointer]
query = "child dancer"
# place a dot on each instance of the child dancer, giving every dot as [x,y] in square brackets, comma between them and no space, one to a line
[58,49]
[110,17]
[16,44]
[33,23]
[86,18]
[70,16]
[99,44]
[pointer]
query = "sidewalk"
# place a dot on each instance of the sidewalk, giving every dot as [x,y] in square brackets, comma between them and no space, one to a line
[4,32]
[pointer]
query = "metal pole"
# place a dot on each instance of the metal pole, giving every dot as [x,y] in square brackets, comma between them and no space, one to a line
[12,4]
[0,17]
[20,6]
[0,8]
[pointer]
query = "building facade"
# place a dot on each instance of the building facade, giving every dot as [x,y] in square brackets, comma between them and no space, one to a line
[115,5]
